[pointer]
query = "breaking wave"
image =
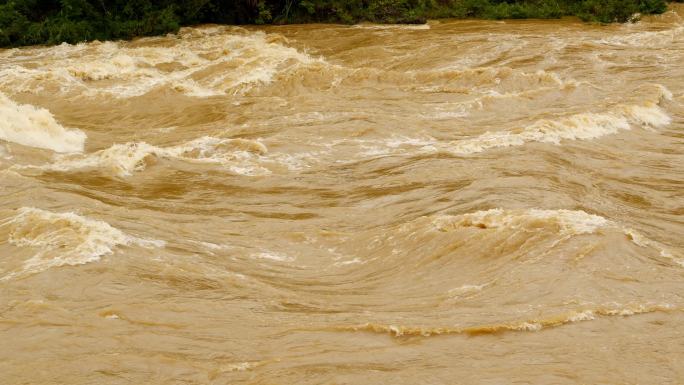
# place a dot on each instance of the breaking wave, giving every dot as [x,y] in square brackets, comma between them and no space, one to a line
[581,126]
[648,39]
[238,155]
[36,127]
[565,222]
[200,62]
[64,238]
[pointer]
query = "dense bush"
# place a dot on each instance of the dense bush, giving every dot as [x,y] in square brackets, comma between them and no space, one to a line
[26,22]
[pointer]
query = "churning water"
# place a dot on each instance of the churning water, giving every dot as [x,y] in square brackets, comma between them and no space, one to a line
[460,202]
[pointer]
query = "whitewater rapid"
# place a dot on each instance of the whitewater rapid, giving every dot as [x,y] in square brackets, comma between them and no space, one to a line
[487,201]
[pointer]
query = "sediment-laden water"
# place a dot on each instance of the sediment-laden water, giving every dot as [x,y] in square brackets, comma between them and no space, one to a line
[467,202]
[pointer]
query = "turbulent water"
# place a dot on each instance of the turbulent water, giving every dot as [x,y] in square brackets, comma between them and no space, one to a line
[464,202]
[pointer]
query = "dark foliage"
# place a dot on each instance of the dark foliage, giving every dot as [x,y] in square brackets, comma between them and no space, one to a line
[27,22]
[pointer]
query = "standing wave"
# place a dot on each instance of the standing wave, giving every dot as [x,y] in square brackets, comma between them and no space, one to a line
[566,222]
[196,62]
[238,155]
[36,127]
[63,238]
[581,126]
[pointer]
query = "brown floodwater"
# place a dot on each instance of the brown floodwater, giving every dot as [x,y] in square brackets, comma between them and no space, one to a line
[462,202]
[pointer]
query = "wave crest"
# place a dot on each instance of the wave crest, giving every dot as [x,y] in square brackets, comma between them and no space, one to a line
[581,126]
[649,39]
[531,325]
[563,222]
[36,127]
[198,63]
[566,221]
[64,238]
[238,155]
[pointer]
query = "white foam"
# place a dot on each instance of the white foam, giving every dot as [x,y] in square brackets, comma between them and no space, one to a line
[392,145]
[586,315]
[354,261]
[642,241]
[36,127]
[664,92]
[238,155]
[64,238]
[239,367]
[273,256]
[197,63]
[581,126]
[407,27]
[211,246]
[466,290]
[568,221]
[529,327]
[632,309]
[647,39]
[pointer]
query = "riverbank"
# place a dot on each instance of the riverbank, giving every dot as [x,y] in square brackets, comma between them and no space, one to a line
[72,21]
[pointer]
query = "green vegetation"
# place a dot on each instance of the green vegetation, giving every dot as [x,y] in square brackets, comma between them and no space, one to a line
[27,22]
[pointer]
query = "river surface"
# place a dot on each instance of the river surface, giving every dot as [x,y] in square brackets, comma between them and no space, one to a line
[462,202]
